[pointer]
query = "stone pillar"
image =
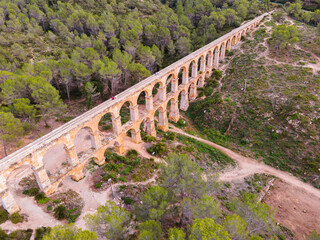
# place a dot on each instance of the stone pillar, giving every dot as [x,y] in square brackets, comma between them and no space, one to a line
[210,60]
[119,146]
[184,102]
[194,71]
[185,77]
[163,120]
[77,173]
[116,125]
[216,59]
[223,53]
[97,140]
[150,129]
[174,85]
[202,65]
[174,111]
[72,154]
[43,180]
[149,103]
[8,202]
[134,113]
[162,93]
[229,45]
[193,92]
[201,82]
[135,135]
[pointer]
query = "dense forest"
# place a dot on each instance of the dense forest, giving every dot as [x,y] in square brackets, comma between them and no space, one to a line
[53,50]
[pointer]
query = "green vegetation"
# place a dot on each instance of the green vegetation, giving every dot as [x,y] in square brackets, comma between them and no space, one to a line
[54,51]
[268,109]
[15,218]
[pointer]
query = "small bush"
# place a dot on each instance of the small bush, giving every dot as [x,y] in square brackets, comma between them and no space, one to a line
[49,208]
[73,217]
[127,200]
[60,212]
[171,135]
[21,234]
[148,138]
[132,153]
[39,196]
[31,191]
[4,216]
[15,218]
[122,179]
[40,232]
[158,149]
[99,185]
[208,91]
[182,123]
[43,200]
[56,201]
[217,74]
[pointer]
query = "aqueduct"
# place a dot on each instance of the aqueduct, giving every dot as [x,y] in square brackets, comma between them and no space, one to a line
[177,81]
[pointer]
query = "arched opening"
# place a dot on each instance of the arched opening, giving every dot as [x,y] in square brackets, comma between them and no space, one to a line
[180,77]
[57,162]
[207,60]
[192,70]
[199,64]
[23,181]
[105,125]
[125,112]
[156,92]
[84,142]
[160,118]
[234,40]
[169,83]
[142,101]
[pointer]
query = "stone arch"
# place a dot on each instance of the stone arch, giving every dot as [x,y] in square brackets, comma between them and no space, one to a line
[158,93]
[125,111]
[192,90]
[106,126]
[84,142]
[216,56]
[201,63]
[200,82]
[171,85]
[57,161]
[182,76]
[142,100]
[192,69]
[234,40]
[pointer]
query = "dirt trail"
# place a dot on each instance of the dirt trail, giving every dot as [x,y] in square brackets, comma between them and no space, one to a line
[247,166]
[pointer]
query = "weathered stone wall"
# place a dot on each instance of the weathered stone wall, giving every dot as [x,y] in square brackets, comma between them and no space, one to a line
[33,154]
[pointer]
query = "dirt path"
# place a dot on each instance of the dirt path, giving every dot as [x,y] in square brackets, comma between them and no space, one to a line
[247,166]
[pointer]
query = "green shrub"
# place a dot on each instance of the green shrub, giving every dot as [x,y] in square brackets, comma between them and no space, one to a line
[106,127]
[182,123]
[135,162]
[56,201]
[60,212]
[15,218]
[49,208]
[21,234]
[158,149]
[72,218]
[99,185]
[31,191]
[132,153]
[217,74]
[171,136]
[148,138]
[40,232]
[200,94]
[4,216]
[208,91]
[111,175]
[39,196]
[127,200]
[111,167]
[122,179]
[127,170]
[43,200]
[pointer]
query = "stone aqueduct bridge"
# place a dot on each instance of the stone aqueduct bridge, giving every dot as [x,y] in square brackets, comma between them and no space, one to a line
[32,156]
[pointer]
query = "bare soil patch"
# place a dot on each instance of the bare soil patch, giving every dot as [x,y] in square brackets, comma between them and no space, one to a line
[294,208]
